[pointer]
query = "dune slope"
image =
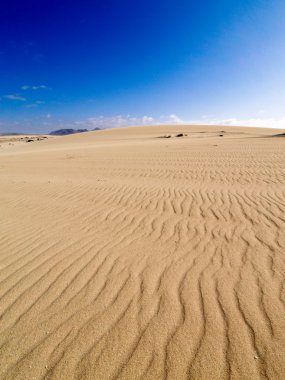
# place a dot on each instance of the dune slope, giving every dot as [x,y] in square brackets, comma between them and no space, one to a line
[128,255]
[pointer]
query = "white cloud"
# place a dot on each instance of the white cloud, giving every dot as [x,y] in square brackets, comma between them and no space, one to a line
[170,119]
[114,121]
[250,122]
[147,119]
[15,97]
[36,104]
[175,119]
[41,87]
[120,121]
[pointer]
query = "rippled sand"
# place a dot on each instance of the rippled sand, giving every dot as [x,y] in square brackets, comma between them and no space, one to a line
[128,255]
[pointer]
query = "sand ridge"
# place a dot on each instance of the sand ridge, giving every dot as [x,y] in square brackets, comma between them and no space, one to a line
[128,255]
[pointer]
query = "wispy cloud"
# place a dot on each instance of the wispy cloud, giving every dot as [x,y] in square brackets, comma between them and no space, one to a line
[48,122]
[35,104]
[173,118]
[147,119]
[15,97]
[114,121]
[41,87]
[250,122]
[128,120]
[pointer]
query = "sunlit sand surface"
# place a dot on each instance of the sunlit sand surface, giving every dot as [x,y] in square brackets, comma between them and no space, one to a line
[125,254]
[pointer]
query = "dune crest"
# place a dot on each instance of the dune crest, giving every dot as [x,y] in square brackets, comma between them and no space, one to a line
[128,256]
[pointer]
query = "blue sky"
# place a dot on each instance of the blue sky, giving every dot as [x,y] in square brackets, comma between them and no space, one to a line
[112,63]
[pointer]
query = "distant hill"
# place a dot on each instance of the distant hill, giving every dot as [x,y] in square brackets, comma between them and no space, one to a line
[70,131]
[67,131]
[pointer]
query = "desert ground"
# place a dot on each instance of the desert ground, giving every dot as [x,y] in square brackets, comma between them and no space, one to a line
[135,254]
[9,141]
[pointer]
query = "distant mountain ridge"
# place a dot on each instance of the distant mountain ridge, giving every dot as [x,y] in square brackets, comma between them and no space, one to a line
[67,131]
[70,131]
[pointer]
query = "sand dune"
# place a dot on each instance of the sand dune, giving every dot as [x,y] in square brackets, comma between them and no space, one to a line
[127,255]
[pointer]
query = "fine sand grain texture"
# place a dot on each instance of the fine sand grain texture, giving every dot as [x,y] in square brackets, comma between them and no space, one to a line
[129,254]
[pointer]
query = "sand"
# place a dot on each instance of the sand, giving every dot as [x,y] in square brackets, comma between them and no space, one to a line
[128,255]
[9,141]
